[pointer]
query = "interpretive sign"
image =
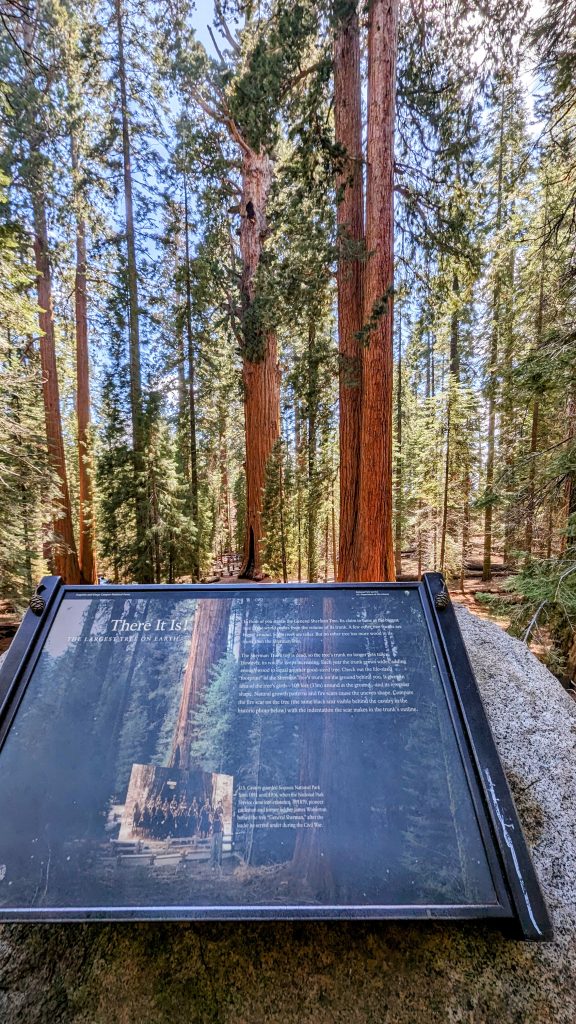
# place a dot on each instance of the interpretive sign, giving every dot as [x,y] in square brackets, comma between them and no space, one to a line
[251,752]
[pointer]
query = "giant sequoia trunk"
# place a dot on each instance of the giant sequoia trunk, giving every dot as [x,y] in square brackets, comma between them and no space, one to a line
[62,547]
[313,490]
[207,646]
[398,524]
[374,539]
[87,523]
[260,371]
[350,223]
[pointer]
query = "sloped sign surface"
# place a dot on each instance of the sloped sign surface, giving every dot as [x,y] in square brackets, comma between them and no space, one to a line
[253,752]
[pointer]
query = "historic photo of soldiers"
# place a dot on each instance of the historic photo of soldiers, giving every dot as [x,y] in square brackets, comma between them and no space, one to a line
[176,815]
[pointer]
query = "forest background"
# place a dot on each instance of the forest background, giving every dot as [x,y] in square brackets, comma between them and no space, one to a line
[189,325]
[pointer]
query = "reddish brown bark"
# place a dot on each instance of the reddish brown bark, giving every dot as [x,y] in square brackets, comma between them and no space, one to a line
[260,371]
[350,223]
[398,486]
[87,523]
[313,498]
[62,548]
[207,646]
[374,539]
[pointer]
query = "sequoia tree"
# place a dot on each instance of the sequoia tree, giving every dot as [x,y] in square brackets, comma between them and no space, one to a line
[350,222]
[368,443]
[260,370]
[244,92]
[31,108]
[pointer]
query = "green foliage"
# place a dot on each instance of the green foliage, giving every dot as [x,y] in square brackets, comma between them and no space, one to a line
[547,589]
[485,249]
[24,476]
[271,59]
[219,745]
[255,324]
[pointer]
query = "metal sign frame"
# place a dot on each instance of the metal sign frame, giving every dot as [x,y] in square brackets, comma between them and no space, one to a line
[520,904]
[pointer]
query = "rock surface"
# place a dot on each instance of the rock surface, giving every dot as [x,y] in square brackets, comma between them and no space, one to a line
[343,972]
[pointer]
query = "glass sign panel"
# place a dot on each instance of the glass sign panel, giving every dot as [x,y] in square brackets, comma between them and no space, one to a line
[203,752]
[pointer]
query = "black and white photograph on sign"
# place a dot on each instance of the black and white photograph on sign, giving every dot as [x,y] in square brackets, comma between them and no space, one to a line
[230,749]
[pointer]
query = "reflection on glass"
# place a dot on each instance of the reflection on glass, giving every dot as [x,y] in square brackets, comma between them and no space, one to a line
[242,748]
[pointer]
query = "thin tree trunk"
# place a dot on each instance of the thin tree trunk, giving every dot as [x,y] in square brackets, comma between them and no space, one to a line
[455,334]
[226,514]
[420,538]
[194,505]
[508,432]
[155,522]
[350,224]
[550,531]
[453,381]
[25,510]
[171,557]
[429,390]
[183,409]
[260,371]
[465,527]
[488,517]
[62,548]
[569,537]
[87,555]
[26,538]
[492,377]
[531,504]
[375,548]
[143,567]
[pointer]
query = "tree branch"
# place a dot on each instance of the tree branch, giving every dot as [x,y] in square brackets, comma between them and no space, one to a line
[216,47]
[224,27]
[301,74]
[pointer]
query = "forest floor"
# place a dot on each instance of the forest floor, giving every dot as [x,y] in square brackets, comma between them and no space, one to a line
[9,622]
[473,585]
